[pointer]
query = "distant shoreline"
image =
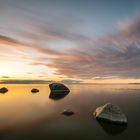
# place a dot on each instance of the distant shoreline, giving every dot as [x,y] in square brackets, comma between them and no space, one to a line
[48,82]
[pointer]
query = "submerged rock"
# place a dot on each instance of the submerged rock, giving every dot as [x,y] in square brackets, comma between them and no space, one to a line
[3,90]
[112,129]
[110,113]
[67,112]
[58,87]
[34,90]
[58,95]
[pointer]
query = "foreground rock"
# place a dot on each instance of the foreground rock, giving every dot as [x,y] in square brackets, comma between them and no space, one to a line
[34,90]
[3,90]
[110,113]
[58,87]
[67,112]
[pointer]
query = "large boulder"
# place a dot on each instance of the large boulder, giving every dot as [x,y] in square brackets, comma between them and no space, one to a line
[110,113]
[3,90]
[58,91]
[58,87]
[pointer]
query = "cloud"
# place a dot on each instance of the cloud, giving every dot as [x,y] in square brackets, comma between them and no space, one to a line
[69,81]
[25,82]
[11,42]
[7,40]
[5,77]
[110,56]
[114,55]
[130,27]
[104,78]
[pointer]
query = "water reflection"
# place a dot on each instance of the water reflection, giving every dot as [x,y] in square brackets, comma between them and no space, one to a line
[58,95]
[23,114]
[112,129]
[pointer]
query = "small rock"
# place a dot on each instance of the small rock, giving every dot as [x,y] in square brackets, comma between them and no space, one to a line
[3,90]
[110,113]
[34,90]
[57,87]
[67,112]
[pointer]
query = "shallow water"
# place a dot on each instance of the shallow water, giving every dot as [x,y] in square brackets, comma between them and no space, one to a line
[26,115]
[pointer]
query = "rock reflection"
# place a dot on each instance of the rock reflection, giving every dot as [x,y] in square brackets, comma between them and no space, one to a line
[57,95]
[112,129]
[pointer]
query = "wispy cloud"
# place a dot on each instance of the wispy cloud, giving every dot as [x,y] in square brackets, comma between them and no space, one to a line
[25,82]
[5,77]
[110,56]
[69,81]
[115,55]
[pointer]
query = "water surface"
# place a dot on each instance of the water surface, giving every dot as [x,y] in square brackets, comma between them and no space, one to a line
[24,115]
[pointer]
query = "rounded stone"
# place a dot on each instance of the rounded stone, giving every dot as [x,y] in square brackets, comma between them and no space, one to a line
[110,113]
[34,90]
[67,112]
[3,90]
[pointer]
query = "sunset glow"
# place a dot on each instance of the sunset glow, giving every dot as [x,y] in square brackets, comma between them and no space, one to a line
[62,41]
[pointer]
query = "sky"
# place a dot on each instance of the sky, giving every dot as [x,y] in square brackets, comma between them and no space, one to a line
[72,41]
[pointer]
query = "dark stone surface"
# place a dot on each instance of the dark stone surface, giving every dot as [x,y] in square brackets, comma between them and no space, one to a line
[58,95]
[67,112]
[34,90]
[58,87]
[3,90]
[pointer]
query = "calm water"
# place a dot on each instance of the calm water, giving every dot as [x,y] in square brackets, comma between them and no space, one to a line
[24,115]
